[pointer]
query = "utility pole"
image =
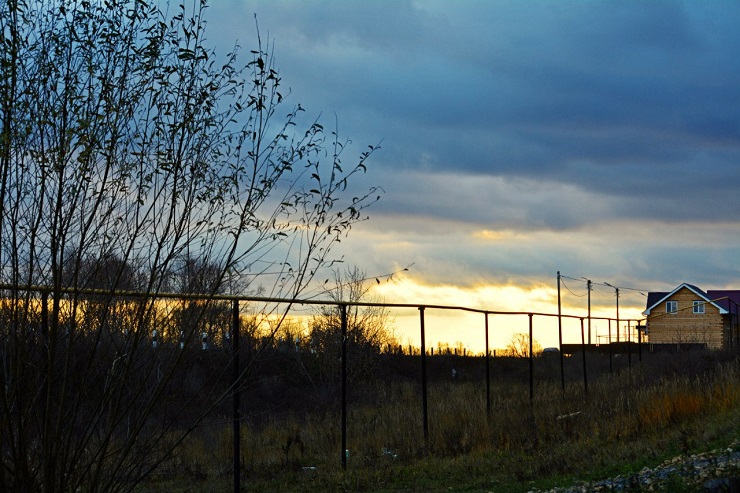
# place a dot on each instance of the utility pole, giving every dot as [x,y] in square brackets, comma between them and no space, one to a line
[588,287]
[616,290]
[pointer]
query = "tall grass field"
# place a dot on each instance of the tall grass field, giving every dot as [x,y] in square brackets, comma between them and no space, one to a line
[619,421]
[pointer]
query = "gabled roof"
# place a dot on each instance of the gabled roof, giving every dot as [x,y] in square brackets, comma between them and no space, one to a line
[729,299]
[653,298]
[657,298]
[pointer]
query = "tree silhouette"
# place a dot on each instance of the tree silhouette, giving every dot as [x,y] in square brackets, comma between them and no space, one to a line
[128,145]
[369,328]
[519,346]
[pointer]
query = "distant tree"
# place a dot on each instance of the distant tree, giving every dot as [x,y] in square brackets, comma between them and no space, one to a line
[126,146]
[199,317]
[519,346]
[369,328]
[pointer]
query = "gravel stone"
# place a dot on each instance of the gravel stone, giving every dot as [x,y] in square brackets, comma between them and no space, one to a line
[713,472]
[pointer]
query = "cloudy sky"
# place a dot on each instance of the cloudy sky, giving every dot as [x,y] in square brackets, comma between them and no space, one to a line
[522,138]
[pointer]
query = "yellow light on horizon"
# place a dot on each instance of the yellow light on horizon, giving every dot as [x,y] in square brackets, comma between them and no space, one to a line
[452,327]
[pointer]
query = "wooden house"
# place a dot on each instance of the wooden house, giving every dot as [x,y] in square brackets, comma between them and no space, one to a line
[689,316]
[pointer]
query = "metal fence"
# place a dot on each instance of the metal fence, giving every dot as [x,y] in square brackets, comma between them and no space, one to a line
[233,335]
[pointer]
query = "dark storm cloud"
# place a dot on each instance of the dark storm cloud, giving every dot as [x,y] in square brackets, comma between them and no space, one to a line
[526,69]
[529,116]
[615,97]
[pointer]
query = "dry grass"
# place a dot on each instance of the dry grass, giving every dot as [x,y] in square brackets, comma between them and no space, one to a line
[628,418]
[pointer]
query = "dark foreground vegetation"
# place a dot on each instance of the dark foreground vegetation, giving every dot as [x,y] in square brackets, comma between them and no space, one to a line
[136,161]
[633,416]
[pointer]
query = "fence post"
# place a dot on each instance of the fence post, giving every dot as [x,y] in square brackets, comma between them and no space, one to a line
[343,309]
[531,363]
[236,403]
[424,409]
[583,351]
[488,374]
[560,338]
[611,369]
[629,345]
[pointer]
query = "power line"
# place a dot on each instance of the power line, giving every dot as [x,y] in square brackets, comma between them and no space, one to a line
[321,290]
[570,290]
[638,290]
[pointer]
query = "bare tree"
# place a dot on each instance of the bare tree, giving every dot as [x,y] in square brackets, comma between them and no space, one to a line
[127,145]
[519,346]
[369,328]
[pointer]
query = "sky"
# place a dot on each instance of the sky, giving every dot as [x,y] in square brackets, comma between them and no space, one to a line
[519,139]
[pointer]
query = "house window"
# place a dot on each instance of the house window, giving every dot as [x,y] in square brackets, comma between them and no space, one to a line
[671,307]
[698,306]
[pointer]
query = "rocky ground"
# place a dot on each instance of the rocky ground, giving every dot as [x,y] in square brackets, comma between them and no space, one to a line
[713,472]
